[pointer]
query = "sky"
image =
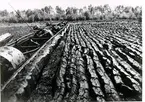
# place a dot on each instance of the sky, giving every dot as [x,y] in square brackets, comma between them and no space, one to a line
[37,4]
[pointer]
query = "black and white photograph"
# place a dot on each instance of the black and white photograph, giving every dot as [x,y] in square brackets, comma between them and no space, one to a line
[71,51]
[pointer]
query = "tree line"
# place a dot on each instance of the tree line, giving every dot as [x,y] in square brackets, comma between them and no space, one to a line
[90,12]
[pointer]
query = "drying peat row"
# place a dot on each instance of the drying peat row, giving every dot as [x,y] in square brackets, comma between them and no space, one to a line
[83,62]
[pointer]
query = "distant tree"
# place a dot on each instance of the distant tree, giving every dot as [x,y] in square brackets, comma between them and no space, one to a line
[138,13]
[75,11]
[118,11]
[48,10]
[91,9]
[59,10]
[80,11]
[29,14]
[87,15]
[38,15]
[59,13]
[4,13]
[69,11]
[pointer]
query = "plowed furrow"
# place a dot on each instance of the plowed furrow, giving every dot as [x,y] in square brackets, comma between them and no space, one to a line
[127,67]
[71,96]
[44,89]
[60,81]
[96,87]
[83,95]
[110,91]
[130,60]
